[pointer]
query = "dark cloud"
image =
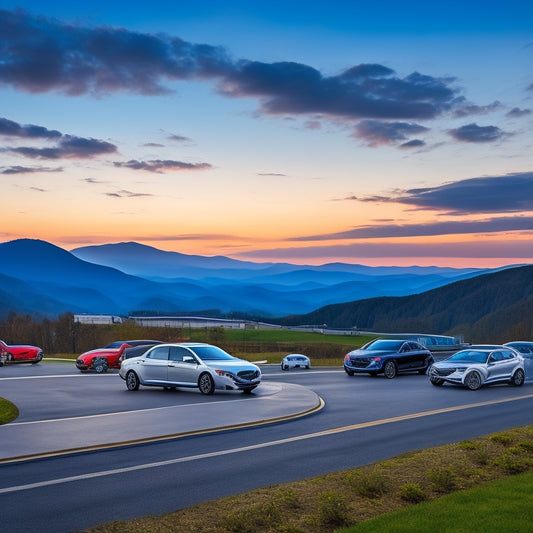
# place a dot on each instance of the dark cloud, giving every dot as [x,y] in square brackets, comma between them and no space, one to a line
[13,129]
[477,134]
[454,227]
[474,249]
[153,145]
[415,143]
[28,170]
[158,165]
[69,147]
[179,138]
[41,54]
[510,193]
[377,133]
[516,112]
[466,110]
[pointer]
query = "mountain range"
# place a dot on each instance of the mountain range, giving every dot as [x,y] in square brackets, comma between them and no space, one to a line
[41,279]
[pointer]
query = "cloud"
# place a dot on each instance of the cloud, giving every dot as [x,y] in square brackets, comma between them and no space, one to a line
[127,194]
[41,54]
[465,110]
[477,134]
[69,147]
[377,133]
[516,112]
[415,143]
[352,252]
[180,138]
[273,174]
[158,165]
[454,227]
[13,129]
[510,193]
[28,170]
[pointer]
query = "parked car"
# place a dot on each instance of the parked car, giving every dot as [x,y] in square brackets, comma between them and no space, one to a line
[19,353]
[481,365]
[389,357]
[524,348]
[195,365]
[110,356]
[295,360]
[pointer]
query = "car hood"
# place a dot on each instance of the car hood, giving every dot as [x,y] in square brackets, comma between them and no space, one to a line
[369,353]
[100,351]
[22,348]
[231,365]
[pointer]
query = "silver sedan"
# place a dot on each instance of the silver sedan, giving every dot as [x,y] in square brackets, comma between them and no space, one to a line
[193,365]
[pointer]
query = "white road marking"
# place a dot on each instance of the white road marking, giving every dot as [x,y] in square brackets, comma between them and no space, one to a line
[220,453]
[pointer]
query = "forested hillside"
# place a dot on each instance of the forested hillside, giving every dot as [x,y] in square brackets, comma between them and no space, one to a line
[494,307]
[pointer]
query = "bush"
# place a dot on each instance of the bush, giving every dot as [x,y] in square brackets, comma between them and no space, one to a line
[367,484]
[444,479]
[332,509]
[412,493]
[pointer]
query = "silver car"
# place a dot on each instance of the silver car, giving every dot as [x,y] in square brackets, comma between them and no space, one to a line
[476,366]
[195,365]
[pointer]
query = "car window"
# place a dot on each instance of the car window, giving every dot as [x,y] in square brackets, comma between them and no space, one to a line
[178,353]
[471,356]
[384,344]
[160,353]
[507,354]
[211,353]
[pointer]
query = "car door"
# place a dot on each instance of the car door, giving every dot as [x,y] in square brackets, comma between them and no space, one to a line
[499,365]
[154,365]
[182,367]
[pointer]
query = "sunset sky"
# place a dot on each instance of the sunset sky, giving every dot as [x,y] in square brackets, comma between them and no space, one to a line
[379,133]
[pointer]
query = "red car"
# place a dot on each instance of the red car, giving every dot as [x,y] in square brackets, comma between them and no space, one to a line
[111,355]
[19,353]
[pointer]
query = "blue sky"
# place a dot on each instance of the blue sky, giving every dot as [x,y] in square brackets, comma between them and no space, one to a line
[391,133]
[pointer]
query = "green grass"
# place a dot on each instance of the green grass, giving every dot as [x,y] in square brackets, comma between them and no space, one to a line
[502,506]
[8,411]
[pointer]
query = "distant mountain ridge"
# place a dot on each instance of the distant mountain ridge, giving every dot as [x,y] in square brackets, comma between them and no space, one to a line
[494,307]
[39,277]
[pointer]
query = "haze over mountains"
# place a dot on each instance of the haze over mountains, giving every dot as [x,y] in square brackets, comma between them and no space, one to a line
[41,279]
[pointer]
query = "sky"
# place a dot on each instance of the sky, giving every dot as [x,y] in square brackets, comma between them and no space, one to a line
[385,133]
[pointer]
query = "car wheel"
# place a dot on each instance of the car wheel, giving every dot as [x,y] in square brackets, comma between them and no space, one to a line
[248,390]
[349,372]
[518,378]
[132,380]
[100,365]
[206,384]
[284,367]
[390,369]
[9,357]
[473,380]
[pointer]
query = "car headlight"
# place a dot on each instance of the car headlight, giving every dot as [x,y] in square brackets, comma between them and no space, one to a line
[461,369]
[224,374]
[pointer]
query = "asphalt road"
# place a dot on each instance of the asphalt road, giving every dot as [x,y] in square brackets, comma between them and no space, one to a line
[364,420]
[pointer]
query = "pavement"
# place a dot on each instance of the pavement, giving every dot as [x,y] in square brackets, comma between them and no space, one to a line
[271,402]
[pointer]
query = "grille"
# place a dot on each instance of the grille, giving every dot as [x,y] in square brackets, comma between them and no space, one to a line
[248,374]
[360,363]
[442,371]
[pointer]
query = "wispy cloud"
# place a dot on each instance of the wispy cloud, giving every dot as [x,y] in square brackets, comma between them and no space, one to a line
[126,194]
[465,110]
[451,227]
[10,128]
[516,112]
[28,170]
[158,165]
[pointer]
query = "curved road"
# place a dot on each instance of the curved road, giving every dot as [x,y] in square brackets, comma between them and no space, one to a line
[364,420]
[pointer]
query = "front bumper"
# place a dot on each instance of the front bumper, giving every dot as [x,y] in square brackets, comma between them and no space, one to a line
[363,366]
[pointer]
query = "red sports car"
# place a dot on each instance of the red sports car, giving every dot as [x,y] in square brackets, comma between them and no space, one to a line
[111,355]
[19,353]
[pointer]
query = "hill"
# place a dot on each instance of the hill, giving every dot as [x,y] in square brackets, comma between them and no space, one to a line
[121,278]
[496,306]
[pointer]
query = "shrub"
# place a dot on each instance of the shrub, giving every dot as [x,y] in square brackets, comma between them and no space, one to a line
[412,493]
[367,484]
[502,438]
[332,509]
[444,479]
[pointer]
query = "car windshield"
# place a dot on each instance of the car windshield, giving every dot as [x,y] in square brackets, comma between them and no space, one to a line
[385,344]
[211,353]
[116,344]
[470,356]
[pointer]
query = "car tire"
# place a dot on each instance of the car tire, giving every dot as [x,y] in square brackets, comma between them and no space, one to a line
[390,369]
[10,357]
[518,378]
[473,380]
[132,381]
[284,367]
[206,383]
[100,365]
